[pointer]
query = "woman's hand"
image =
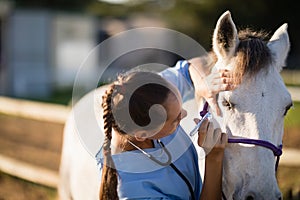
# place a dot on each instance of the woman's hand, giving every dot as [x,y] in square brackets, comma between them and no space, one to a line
[208,84]
[213,141]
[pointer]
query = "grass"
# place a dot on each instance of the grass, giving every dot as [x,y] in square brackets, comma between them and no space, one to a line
[292,118]
[59,96]
[289,182]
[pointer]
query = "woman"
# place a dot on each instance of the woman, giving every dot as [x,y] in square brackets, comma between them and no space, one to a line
[146,153]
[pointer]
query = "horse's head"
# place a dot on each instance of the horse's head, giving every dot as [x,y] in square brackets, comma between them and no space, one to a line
[255,109]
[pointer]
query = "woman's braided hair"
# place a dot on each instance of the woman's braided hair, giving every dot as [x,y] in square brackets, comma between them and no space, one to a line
[155,91]
[109,174]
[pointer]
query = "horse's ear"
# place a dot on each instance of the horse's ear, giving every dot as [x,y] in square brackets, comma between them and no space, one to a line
[279,45]
[225,38]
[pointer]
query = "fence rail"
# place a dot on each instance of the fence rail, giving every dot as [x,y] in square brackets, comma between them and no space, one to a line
[291,77]
[295,93]
[29,172]
[34,110]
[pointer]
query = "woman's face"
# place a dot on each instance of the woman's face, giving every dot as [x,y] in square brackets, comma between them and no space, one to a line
[175,113]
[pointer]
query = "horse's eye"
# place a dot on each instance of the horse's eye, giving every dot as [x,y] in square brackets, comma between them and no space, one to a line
[287,108]
[227,104]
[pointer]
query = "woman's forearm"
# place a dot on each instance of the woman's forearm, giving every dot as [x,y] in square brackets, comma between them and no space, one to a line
[208,138]
[212,184]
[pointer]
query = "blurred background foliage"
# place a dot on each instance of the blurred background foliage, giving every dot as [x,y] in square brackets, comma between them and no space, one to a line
[196,18]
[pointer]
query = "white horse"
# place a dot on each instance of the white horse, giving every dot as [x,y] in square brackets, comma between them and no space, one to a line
[254,110]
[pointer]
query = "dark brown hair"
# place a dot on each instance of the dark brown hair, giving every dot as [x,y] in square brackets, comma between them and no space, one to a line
[252,53]
[128,93]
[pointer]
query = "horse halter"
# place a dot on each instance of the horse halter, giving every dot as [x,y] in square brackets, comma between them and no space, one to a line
[277,151]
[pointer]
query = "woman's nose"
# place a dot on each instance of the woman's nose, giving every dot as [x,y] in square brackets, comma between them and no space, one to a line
[183,113]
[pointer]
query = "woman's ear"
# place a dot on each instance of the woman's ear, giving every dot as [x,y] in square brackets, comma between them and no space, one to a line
[140,136]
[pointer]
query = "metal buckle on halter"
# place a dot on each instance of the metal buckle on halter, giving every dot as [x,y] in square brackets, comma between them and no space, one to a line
[277,150]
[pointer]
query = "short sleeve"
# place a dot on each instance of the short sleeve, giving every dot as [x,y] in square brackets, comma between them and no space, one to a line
[179,75]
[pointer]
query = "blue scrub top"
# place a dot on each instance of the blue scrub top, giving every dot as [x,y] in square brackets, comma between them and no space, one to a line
[142,178]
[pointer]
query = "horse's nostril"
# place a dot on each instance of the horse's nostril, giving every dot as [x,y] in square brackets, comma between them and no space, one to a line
[250,197]
[279,196]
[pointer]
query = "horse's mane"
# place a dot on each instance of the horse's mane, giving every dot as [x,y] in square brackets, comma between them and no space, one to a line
[251,55]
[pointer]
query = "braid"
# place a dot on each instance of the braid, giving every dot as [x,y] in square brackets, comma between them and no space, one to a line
[138,101]
[109,181]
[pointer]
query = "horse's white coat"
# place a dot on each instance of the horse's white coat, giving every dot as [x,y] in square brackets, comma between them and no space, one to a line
[258,114]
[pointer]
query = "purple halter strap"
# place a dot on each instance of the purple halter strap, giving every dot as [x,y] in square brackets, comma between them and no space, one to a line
[277,151]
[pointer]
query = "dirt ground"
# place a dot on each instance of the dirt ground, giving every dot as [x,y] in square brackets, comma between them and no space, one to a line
[12,188]
[39,143]
[31,141]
